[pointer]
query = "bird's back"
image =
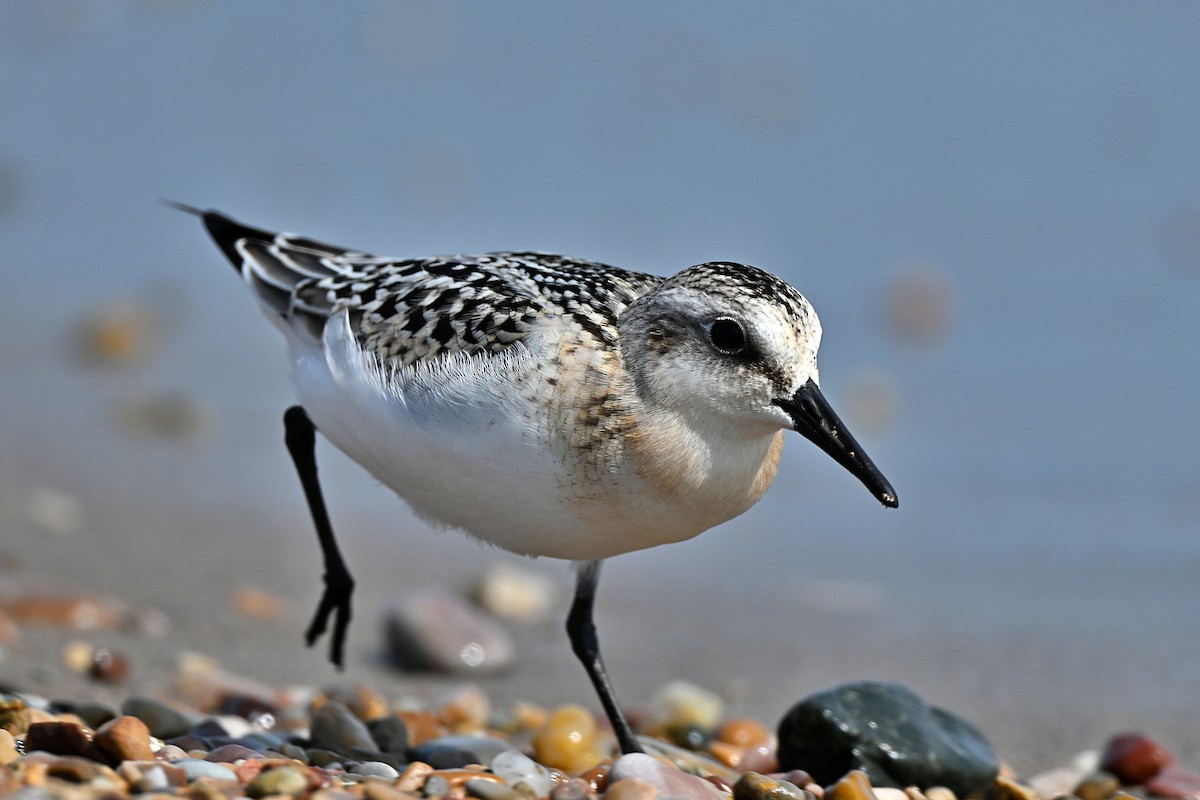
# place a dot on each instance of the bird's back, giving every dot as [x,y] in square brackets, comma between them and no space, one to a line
[409,310]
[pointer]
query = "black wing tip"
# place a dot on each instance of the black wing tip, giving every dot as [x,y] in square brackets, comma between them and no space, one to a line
[224,230]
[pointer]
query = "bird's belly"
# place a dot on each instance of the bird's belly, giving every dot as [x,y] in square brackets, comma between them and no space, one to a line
[483,461]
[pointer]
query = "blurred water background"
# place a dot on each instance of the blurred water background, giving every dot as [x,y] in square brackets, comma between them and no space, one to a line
[995,208]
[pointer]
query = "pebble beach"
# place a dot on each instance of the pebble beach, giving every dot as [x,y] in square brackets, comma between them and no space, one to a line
[211,733]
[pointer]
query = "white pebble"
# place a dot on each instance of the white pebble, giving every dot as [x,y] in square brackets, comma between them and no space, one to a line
[512,593]
[680,702]
[516,767]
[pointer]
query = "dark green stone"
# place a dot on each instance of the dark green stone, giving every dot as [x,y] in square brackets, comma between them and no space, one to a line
[890,733]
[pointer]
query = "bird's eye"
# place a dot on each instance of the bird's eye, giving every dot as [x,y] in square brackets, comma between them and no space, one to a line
[727,336]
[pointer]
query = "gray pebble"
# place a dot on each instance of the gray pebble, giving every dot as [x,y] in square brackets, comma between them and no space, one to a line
[231,753]
[436,631]
[171,752]
[436,786]
[335,728]
[294,751]
[377,769]
[195,769]
[517,768]
[163,721]
[490,790]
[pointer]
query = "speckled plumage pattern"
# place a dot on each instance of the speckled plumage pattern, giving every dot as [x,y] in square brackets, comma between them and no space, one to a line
[546,404]
[413,309]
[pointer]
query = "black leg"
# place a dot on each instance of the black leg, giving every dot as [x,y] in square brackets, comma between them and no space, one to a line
[581,629]
[300,435]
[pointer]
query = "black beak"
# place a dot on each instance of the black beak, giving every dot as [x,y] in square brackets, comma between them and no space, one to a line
[815,419]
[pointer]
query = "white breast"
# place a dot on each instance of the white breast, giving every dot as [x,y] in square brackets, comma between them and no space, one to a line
[469,444]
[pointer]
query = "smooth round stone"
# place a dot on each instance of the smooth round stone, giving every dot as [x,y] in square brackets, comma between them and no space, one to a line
[444,756]
[436,786]
[516,768]
[335,728]
[293,751]
[666,780]
[568,740]
[680,703]
[631,789]
[125,738]
[574,789]
[742,732]
[195,769]
[376,769]
[437,632]
[170,752]
[753,786]
[890,733]
[513,593]
[60,738]
[1134,758]
[231,753]
[280,780]
[390,734]
[1097,786]
[491,790]
[163,721]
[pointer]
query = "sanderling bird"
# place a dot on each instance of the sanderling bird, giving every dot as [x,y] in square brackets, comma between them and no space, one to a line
[545,404]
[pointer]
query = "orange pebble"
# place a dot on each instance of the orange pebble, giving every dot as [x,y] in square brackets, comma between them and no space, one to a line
[568,740]
[422,725]
[728,754]
[743,732]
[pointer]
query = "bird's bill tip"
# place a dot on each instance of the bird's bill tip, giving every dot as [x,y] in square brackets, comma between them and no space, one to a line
[816,420]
